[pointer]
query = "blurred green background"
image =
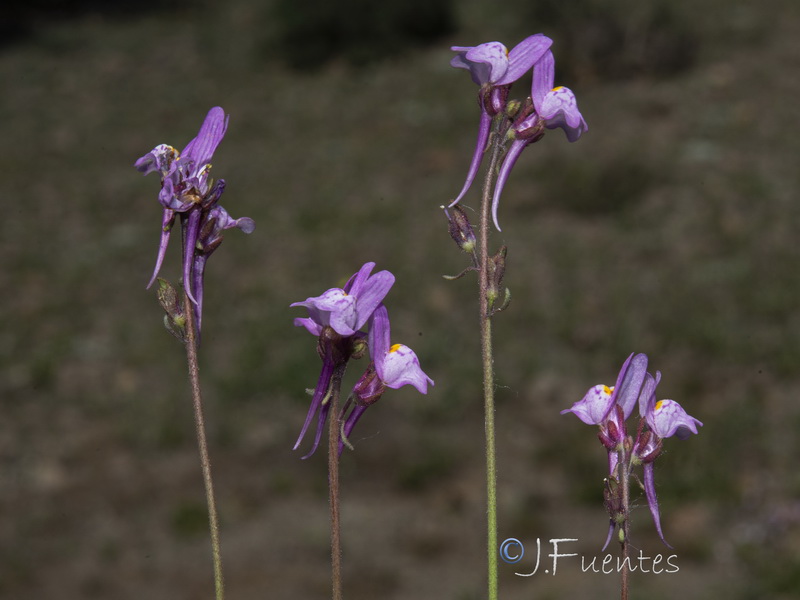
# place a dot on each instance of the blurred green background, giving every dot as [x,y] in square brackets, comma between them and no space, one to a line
[670,228]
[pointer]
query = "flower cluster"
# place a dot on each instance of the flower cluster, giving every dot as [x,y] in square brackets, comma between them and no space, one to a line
[610,408]
[188,190]
[494,69]
[336,318]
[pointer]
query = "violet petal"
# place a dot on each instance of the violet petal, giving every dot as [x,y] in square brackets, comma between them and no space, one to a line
[652,500]
[516,148]
[480,148]
[320,392]
[524,56]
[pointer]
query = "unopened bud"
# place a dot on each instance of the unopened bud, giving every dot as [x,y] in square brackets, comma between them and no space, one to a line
[460,229]
[369,389]
[360,347]
[174,319]
[512,108]
[494,98]
[497,269]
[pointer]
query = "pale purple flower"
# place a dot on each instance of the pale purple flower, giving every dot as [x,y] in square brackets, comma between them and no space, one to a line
[610,407]
[551,108]
[335,318]
[598,403]
[347,309]
[556,107]
[668,418]
[396,365]
[392,366]
[664,419]
[494,69]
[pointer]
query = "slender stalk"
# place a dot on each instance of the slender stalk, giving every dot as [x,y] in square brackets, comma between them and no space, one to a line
[205,461]
[334,427]
[625,471]
[488,373]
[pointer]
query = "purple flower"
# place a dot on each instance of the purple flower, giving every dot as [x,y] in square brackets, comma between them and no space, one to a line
[186,185]
[598,403]
[392,366]
[550,108]
[188,191]
[664,419]
[556,107]
[610,407]
[667,418]
[494,69]
[347,309]
[396,365]
[335,318]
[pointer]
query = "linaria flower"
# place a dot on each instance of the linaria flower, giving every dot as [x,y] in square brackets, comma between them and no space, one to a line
[184,179]
[600,405]
[347,309]
[664,419]
[550,108]
[392,366]
[494,69]
[610,408]
[336,317]
[188,190]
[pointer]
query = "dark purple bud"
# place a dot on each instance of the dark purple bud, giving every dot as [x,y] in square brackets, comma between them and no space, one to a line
[649,447]
[369,389]
[493,99]
[460,229]
[335,348]
[605,437]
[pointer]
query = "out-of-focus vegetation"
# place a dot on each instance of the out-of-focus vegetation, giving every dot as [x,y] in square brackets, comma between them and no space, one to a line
[669,229]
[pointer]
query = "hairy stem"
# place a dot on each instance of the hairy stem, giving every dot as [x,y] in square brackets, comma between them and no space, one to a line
[334,427]
[488,372]
[205,461]
[625,472]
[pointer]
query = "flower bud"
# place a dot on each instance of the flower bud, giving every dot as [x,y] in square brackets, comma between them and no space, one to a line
[174,319]
[497,269]
[360,347]
[369,389]
[460,229]
[493,98]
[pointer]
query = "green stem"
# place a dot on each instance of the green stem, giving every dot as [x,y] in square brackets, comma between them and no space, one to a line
[488,373]
[334,426]
[205,461]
